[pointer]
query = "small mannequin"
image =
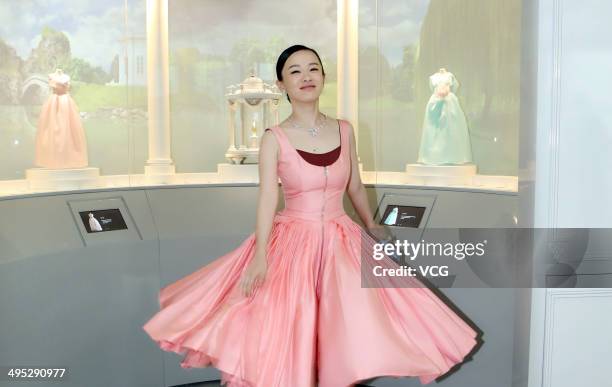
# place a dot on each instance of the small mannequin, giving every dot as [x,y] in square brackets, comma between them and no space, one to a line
[94,225]
[60,138]
[392,217]
[446,138]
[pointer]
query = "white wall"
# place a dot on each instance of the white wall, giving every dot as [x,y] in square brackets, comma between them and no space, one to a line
[570,335]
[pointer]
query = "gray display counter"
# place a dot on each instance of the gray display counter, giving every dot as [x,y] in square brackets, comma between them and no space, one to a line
[78,299]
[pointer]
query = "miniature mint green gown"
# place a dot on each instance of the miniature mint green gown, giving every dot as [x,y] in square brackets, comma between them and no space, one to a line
[445,139]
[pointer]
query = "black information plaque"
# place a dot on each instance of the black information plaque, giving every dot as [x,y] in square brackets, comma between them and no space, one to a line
[103,220]
[402,216]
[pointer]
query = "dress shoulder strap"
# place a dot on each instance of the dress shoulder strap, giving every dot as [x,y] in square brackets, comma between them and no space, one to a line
[280,138]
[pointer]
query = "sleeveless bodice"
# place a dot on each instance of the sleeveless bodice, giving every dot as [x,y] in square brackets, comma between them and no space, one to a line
[312,192]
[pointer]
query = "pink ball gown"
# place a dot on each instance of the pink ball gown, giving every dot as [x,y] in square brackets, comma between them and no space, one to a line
[311,321]
[60,139]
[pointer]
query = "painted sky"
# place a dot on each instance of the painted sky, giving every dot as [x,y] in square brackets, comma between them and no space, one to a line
[93,27]
[214,26]
[399,25]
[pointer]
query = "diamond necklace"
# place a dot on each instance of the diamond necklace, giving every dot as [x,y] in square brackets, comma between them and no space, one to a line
[314,131]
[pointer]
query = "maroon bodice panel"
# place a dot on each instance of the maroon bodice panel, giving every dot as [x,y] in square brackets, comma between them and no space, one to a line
[320,159]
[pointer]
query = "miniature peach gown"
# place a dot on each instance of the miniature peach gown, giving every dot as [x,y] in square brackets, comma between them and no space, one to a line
[311,320]
[60,139]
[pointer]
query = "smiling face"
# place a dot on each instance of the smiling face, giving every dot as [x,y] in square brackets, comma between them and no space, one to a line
[303,77]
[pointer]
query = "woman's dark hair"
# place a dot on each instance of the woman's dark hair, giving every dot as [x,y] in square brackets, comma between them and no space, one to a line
[282,59]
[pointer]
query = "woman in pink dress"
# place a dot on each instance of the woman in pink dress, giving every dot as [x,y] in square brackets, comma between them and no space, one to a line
[60,139]
[287,307]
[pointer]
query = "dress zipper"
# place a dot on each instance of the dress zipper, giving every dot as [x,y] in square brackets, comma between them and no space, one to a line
[325,172]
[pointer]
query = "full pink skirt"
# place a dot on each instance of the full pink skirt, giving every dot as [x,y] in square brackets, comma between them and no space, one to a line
[311,320]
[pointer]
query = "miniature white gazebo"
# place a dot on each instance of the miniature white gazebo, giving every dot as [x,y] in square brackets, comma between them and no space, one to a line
[257,105]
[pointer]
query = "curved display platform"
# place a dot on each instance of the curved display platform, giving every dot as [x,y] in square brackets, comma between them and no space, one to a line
[41,179]
[456,175]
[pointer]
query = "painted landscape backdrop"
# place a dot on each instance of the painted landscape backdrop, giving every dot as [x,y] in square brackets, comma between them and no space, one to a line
[213,44]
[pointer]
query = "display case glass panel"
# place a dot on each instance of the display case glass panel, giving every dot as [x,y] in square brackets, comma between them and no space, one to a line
[99,120]
[217,44]
[402,43]
[438,101]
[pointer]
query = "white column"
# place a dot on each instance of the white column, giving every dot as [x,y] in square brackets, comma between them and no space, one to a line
[348,69]
[160,162]
[231,112]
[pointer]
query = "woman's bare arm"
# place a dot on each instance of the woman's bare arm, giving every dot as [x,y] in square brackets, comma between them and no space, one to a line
[268,192]
[356,190]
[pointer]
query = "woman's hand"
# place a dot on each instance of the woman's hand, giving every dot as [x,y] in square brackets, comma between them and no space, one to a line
[254,275]
[379,232]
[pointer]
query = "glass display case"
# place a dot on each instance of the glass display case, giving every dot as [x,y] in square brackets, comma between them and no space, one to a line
[407,131]
[215,45]
[151,116]
[89,131]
